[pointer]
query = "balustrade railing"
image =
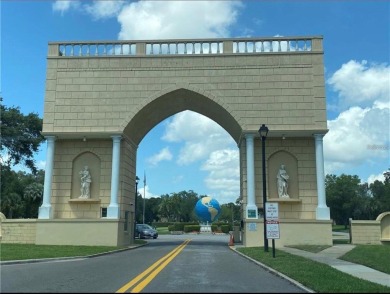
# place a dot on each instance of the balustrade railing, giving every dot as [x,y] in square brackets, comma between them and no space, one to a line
[186,47]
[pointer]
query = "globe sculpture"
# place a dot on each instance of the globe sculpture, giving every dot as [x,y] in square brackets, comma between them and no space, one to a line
[207,209]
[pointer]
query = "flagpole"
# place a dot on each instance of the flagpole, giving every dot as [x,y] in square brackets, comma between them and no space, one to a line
[143,212]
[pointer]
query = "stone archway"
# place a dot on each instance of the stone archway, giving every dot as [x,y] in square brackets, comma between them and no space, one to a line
[105,103]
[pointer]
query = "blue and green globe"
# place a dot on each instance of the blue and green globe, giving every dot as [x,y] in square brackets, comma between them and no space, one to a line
[207,209]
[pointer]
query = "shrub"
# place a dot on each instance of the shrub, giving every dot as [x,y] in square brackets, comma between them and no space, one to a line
[191,228]
[225,229]
[180,226]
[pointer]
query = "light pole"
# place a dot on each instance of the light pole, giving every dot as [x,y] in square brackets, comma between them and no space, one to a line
[232,215]
[143,209]
[135,204]
[263,134]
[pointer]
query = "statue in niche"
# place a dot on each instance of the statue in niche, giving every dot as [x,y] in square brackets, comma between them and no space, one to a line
[282,182]
[85,178]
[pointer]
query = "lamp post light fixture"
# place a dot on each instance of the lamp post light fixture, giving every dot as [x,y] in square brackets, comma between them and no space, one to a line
[263,134]
[135,203]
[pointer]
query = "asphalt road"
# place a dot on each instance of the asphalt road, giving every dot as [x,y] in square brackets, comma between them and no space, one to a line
[170,264]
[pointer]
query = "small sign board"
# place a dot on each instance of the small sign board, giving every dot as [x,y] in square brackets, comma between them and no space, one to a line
[252,227]
[271,211]
[272,229]
[272,220]
[251,213]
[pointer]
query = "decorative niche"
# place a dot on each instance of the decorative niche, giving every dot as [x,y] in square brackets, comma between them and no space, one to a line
[291,166]
[93,162]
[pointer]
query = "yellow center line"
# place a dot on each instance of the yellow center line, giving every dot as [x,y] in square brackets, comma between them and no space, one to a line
[130,284]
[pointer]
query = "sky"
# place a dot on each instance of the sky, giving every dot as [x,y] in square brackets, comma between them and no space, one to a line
[356,40]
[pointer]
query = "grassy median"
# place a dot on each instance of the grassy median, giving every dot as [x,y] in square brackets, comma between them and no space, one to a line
[323,278]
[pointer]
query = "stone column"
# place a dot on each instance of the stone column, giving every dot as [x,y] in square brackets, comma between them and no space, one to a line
[322,211]
[251,208]
[113,208]
[45,209]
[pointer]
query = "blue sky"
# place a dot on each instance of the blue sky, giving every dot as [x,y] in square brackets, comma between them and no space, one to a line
[357,75]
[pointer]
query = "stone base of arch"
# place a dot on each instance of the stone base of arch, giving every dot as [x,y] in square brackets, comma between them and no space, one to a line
[86,232]
[292,232]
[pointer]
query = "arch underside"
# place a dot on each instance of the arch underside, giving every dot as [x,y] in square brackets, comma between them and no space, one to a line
[174,102]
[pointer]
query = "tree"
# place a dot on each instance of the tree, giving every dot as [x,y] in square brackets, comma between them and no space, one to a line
[33,194]
[11,193]
[11,204]
[179,206]
[20,137]
[381,195]
[151,211]
[21,193]
[346,198]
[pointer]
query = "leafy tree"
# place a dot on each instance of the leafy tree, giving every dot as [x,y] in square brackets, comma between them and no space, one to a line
[21,193]
[381,195]
[20,137]
[346,198]
[166,209]
[151,210]
[11,204]
[11,193]
[179,206]
[33,194]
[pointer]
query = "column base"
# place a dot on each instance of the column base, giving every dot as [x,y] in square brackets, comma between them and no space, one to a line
[113,211]
[322,213]
[45,212]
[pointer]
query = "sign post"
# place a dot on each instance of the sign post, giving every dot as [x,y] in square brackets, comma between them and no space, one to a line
[272,223]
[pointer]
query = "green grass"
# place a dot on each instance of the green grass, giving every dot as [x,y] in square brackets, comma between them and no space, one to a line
[30,251]
[319,277]
[340,228]
[374,256]
[163,231]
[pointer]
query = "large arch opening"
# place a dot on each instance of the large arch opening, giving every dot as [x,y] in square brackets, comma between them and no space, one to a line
[174,102]
[186,142]
[188,151]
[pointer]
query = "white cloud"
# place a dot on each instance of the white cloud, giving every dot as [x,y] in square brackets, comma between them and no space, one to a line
[145,191]
[204,140]
[360,82]
[359,134]
[200,135]
[41,164]
[379,177]
[355,136]
[164,154]
[224,174]
[65,5]
[104,9]
[177,19]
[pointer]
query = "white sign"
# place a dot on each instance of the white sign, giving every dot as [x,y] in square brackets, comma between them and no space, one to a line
[252,227]
[272,211]
[272,230]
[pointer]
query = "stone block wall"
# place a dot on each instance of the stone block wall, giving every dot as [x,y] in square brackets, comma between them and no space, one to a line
[18,231]
[365,232]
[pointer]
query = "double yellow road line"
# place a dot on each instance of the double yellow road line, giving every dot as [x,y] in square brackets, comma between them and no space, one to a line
[150,273]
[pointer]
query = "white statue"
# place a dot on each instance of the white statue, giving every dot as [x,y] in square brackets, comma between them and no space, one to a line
[282,182]
[86,180]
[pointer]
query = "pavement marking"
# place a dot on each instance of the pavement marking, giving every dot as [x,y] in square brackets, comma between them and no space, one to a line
[150,273]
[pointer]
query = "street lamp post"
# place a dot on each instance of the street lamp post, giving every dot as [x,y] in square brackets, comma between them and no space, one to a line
[263,134]
[232,215]
[135,204]
[143,209]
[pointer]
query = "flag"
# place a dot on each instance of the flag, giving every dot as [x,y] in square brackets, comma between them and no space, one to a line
[144,179]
